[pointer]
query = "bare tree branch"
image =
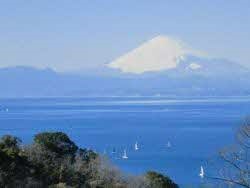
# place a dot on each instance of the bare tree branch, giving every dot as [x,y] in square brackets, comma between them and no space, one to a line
[236,160]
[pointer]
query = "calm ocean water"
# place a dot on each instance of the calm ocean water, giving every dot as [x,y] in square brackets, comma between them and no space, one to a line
[196,128]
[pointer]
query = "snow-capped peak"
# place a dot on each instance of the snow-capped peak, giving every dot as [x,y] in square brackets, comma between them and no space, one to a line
[157,54]
[194,66]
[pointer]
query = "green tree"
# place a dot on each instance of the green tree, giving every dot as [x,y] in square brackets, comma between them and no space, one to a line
[53,160]
[14,166]
[156,180]
[56,142]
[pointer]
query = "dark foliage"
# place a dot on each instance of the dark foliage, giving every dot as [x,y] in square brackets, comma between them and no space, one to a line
[53,160]
[157,180]
[58,143]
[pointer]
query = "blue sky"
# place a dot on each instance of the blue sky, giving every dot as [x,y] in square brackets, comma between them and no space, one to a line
[73,35]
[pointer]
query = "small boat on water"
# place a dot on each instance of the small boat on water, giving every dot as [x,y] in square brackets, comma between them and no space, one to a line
[202,174]
[125,155]
[104,152]
[136,146]
[71,127]
[169,144]
[113,151]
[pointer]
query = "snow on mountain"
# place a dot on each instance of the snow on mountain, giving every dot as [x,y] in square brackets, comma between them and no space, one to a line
[165,56]
[159,53]
[194,66]
[162,66]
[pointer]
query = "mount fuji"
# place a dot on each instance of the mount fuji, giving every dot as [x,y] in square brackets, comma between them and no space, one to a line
[161,66]
[157,54]
[164,54]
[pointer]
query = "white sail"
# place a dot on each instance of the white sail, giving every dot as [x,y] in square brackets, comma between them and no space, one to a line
[136,146]
[202,172]
[169,144]
[125,155]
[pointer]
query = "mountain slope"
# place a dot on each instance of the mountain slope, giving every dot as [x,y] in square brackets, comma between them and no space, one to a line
[24,82]
[157,54]
[161,66]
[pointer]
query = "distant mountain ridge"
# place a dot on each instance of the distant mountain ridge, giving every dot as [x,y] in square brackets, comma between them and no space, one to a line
[161,66]
[211,79]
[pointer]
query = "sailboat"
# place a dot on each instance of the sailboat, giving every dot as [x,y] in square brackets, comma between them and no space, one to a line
[169,145]
[70,127]
[104,152]
[113,151]
[136,146]
[202,174]
[125,155]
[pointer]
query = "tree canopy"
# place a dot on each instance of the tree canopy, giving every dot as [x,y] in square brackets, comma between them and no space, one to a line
[157,180]
[57,142]
[54,160]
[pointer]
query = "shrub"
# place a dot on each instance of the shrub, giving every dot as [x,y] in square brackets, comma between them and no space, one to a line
[54,161]
[156,180]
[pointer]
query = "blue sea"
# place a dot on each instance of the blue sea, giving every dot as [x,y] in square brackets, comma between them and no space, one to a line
[196,128]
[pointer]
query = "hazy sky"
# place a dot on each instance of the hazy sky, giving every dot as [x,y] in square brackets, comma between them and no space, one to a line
[76,34]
